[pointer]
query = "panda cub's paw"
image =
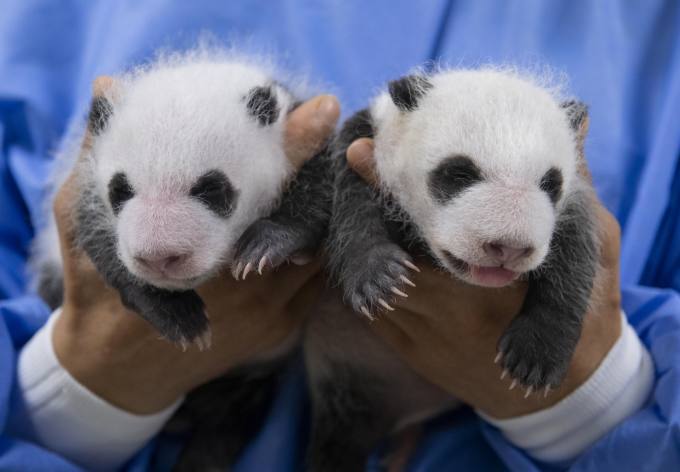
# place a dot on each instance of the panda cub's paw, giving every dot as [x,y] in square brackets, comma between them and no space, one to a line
[535,354]
[178,317]
[375,275]
[267,243]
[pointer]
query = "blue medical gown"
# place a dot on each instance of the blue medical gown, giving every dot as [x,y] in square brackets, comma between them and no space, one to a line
[622,58]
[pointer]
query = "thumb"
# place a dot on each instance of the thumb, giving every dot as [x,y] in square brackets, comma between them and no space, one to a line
[309,127]
[360,158]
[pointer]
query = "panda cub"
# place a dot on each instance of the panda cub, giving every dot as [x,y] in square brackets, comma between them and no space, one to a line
[478,171]
[185,156]
[479,168]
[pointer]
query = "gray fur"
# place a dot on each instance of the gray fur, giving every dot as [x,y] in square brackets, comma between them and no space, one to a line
[50,284]
[361,391]
[363,257]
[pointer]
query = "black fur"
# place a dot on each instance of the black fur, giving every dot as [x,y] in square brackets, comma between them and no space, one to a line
[538,344]
[262,104]
[178,316]
[577,112]
[364,259]
[100,112]
[347,423]
[551,183]
[451,177]
[222,416]
[300,223]
[120,191]
[215,191]
[406,91]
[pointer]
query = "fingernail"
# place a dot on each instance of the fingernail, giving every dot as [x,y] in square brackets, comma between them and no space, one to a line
[363,148]
[327,108]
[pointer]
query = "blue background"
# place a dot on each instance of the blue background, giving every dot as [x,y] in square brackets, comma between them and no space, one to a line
[621,57]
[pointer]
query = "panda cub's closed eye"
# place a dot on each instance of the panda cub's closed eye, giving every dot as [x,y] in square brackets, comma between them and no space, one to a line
[551,183]
[215,191]
[120,191]
[452,176]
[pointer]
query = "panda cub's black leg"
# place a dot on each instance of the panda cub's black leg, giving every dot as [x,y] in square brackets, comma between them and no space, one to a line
[538,345]
[221,417]
[297,226]
[346,425]
[178,316]
[366,262]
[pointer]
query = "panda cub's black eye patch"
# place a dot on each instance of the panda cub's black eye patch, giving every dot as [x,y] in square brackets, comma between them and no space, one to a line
[551,183]
[452,176]
[215,191]
[120,191]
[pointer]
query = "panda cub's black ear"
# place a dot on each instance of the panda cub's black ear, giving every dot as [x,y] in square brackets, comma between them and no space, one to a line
[577,112]
[100,112]
[406,92]
[262,104]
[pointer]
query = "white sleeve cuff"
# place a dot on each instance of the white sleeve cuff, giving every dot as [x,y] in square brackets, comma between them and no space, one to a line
[64,416]
[617,389]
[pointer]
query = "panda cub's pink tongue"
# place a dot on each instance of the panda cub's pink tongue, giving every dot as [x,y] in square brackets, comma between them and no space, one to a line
[492,276]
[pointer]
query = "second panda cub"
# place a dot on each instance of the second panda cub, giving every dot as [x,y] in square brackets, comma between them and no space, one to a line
[479,170]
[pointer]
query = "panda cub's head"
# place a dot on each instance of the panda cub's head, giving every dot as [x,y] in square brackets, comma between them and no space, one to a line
[185,156]
[482,162]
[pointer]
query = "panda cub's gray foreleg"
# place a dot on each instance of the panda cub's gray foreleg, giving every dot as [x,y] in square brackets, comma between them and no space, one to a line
[538,345]
[297,227]
[178,316]
[364,259]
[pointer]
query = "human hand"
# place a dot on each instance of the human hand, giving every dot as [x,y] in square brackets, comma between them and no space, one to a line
[448,331]
[118,356]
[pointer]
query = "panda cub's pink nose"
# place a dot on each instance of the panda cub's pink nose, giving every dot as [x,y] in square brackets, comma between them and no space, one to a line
[504,253]
[163,263]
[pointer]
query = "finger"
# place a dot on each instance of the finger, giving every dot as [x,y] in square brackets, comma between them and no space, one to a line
[396,334]
[360,158]
[102,85]
[309,127]
[66,198]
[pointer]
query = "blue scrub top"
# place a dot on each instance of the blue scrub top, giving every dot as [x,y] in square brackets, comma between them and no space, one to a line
[621,57]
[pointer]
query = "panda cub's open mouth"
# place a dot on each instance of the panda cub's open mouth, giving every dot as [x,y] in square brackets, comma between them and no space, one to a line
[497,276]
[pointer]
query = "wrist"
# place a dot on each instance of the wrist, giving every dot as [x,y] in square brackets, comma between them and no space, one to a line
[116,357]
[618,388]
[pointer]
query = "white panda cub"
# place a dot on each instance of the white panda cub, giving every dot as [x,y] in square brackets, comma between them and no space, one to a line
[185,156]
[478,168]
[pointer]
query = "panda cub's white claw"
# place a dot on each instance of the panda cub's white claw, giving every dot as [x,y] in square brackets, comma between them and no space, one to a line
[513,384]
[385,305]
[183,344]
[260,266]
[204,341]
[504,374]
[406,281]
[396,291]
[365,311]
[410,265]
[237,271]
[498,358]
[546,391]
[246,270]
[528,392]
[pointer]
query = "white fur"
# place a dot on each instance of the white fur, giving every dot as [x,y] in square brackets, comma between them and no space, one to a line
[512,129]
[172,122]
